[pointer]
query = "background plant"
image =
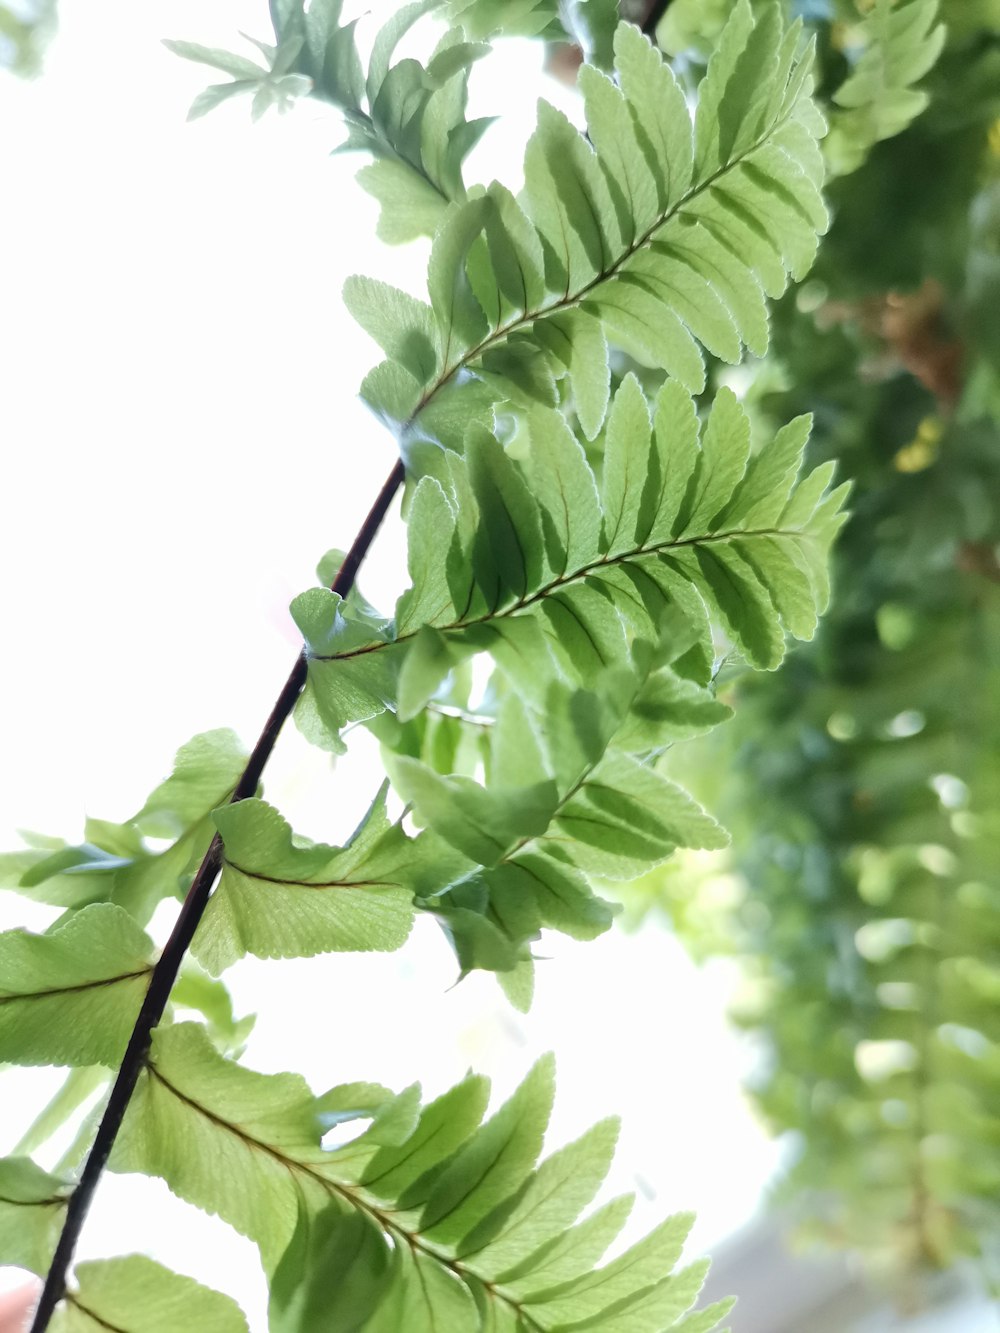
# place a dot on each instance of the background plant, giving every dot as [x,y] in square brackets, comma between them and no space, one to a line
[24,32]
[864,814]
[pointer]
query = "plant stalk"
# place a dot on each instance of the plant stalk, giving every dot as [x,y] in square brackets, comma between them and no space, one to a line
[654,13]
[166,969]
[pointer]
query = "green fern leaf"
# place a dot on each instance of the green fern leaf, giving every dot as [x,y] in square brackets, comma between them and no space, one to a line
[221,1136]
[409,204]
[507,18]
[557,1193]
[31,1213]
[627,1288]
[558,576]
[626,817]
[411,120]
[137,1295]
[70,996]
[660,234]
[481,825]
[681,517]
[705,1320]
[280,897]
[901,43]
[474,1190]
[595,810]
[402,326]
[115,863]
[457,1227]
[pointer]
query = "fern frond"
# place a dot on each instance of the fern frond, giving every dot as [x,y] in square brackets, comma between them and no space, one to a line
[496,864]
[115,863]
[901,43]
[654,232]
[282,898]
[458,1227]
[581,800]
[32,1204]
[70,996]
[135,1293]
[597,599]
[509,556]
[409,119]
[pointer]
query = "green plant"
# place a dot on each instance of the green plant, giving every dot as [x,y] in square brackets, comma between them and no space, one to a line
[24,32]
[593,538]
[864,824]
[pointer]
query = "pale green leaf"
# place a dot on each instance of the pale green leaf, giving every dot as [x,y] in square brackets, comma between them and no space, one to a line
[391,392]
[393,1118]
[429,658]
[626,467]
[709,151]
[577,340]
[614,133]
[70,996]
[137,1295]
[388,38]
[430,531]
[564,488]
[410,205]
[641,1265]
[704,1321]
[783,571]
[627,816]
[283,897]
[672,464]
[515,752]
[238,66]
[32,1203]
[901,43]
[333,1275]
[507,552]
[492,1166]
[224,1138]
[558,1192]
[425,1297]
[459,315]
[405,1172]
[206,770]
[738,599]
[195,990]
[648,330]
[402,326]
[769,479]
[643,1310]
[482,824]
[567,200]
[660,112]
[216,94]
[515,251]
[725,447]
[574,1252]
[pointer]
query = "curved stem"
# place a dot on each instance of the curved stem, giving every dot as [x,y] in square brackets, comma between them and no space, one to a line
[166,969]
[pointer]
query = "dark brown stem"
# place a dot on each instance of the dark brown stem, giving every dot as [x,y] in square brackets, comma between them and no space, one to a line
[654,12]
[166,969]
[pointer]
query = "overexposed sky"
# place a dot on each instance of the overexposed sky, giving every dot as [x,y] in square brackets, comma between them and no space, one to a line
[181,442]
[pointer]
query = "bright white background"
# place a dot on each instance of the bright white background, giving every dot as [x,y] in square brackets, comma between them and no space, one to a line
[181,442]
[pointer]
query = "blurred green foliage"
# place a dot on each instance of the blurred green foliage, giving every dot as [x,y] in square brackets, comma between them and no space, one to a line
[862,781]
[25,29]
